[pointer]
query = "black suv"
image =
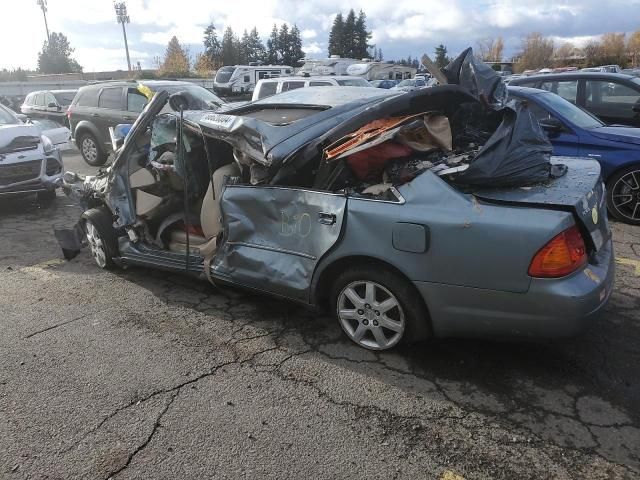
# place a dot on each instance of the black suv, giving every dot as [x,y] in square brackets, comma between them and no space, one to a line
[49,104]
[98,106]
[612,97]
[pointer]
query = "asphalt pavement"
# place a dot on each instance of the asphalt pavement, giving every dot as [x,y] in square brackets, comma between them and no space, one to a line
[149,375]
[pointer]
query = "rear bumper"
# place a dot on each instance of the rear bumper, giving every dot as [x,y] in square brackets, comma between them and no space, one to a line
[551,308]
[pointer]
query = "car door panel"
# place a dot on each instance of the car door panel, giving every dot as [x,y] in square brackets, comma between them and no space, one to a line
[275,236]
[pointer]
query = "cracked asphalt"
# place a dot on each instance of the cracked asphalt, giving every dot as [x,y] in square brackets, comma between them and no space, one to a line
[143,374]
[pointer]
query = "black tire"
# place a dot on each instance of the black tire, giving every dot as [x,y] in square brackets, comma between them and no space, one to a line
[46,197]
[101,235]
[410,307]
[623,195]
[92,152]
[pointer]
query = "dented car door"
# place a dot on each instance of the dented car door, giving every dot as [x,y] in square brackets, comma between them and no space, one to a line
[275,236]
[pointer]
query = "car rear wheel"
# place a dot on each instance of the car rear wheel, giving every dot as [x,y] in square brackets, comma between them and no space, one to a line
[100,236]
[377,308]
[623,195]
[90,150]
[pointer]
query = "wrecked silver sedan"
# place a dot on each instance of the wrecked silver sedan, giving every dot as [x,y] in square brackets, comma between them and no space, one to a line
[437,212]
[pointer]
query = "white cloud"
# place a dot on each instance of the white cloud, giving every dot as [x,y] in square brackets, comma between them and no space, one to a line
[308,33]
[312,49]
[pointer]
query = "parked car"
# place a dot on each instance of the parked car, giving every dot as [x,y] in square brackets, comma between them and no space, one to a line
[48,104]
[99,106]
[612,97]
[340,197]
[59,135]
[410,84]
[29,162]
[273,86]
[384,83]
[575,132]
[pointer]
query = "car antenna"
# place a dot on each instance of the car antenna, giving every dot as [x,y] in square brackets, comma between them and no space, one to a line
[186,184]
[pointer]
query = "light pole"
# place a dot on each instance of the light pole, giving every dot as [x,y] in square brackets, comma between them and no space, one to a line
[43,5]
[121,15]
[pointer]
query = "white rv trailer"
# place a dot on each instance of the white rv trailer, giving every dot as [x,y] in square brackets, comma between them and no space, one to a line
[239,79]
[381,71]
[334,65]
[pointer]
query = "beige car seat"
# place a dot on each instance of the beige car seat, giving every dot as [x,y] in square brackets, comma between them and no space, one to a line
[209,216]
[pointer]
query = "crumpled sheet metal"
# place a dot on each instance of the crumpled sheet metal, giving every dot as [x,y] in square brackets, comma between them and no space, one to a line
[478,78]
[423,132]
[274,235]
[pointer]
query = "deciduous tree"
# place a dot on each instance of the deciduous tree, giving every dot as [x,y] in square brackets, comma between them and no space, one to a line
[537,52]
[176,60]
[55,56]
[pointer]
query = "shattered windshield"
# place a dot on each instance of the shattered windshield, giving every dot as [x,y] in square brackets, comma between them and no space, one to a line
[205,99]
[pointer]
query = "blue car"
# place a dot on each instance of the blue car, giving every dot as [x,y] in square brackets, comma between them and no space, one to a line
[574,132]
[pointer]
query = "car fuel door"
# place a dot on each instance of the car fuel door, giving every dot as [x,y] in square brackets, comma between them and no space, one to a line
[275,236]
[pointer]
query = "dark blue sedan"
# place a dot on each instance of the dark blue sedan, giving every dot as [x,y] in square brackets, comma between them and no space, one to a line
[574,132]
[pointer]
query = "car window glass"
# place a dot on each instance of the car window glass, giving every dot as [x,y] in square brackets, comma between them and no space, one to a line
[286,86]
[603,92]
[135,101]
[88,98]
[268,88]
[6,118]
[319,84]
[110,98]
[64,98]
[40,99]
[567,89]
[49,98]
[246,79]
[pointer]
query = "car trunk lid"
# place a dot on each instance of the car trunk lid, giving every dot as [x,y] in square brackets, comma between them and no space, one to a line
[581,191]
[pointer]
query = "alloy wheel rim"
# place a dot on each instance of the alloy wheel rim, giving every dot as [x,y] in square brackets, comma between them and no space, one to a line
[370,315]
[626,195]
[89,149]
[96,245]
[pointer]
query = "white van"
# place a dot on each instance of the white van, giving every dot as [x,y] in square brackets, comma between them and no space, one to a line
[239,79]
[272,86]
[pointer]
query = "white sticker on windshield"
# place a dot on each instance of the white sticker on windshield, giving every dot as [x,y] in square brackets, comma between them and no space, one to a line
[217,119]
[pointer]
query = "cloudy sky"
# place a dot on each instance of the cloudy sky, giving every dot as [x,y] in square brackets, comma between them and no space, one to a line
[400,27]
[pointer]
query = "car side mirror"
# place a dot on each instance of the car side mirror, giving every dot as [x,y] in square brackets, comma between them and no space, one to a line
[52,105]
[177,101]
[552,126]
[636,108]
[22,117]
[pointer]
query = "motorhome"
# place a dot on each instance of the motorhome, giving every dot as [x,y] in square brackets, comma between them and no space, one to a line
[334,65]
[240,79]
[381,71]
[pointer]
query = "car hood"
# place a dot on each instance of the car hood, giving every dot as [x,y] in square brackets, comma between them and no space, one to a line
[618,134]
[10,134]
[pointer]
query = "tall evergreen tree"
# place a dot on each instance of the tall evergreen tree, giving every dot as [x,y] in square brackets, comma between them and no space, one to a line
[295,47]
[349,35]
[243,49]
[55,56]
[229,48]
[336,44]
[256,51]
[361,37]
[441,60]
[212,46]
[283,45]
[272,46]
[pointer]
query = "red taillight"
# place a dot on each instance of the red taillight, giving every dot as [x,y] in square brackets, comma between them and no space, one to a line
[564,254]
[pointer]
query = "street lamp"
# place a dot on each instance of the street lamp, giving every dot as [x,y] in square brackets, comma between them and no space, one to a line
[121,15]
[43,5]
